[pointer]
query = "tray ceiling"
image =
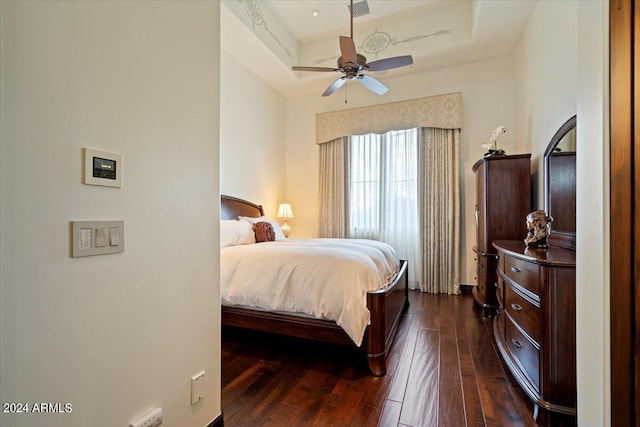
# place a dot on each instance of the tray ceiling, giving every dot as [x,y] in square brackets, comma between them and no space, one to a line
[270,36]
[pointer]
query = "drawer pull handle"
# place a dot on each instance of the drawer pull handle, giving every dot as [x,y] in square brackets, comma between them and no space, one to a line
[516,343]
[516,307]
[515,269]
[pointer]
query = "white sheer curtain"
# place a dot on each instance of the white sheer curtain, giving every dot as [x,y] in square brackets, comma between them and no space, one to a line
[383,193]
[439,174]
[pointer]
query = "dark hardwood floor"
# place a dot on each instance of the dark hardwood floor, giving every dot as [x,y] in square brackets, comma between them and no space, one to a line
[443,370]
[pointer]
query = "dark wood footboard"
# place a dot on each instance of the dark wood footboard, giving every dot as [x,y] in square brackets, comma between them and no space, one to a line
[385,305]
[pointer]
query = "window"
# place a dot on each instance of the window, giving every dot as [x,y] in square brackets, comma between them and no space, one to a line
[383,189]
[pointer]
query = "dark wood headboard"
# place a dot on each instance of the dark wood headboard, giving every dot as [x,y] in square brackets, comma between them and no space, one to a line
[232,207]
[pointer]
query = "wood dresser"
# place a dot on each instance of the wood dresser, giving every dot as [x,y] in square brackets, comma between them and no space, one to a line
[503,200]
[535,329]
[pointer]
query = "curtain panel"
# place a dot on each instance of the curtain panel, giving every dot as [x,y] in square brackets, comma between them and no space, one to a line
[441,111]
[334,188]
[439,210]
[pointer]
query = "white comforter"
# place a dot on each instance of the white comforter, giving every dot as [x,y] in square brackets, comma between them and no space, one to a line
[323,278]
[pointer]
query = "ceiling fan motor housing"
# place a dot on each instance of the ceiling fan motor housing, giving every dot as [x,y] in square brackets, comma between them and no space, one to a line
[350,69]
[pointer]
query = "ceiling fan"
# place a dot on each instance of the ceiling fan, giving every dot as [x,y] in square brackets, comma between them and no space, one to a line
[354,66]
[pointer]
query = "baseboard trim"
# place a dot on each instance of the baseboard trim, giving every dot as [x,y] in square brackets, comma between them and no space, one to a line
[218,422]
[466,289]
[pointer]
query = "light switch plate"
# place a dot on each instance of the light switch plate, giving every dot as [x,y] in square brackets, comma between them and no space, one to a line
[96,238]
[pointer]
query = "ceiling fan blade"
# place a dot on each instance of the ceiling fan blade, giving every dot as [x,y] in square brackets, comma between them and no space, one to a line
[348,50]
[372,84]
[389,63]
[335,86]
[321,69]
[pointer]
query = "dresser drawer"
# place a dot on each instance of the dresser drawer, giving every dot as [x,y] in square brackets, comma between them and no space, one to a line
[523,312]
[526,354]
[523,273]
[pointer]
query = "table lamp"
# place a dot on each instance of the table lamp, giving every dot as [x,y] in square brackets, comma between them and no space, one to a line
[285,212]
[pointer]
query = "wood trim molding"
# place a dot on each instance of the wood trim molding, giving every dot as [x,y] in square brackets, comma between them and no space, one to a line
[624,300]
[218,422]
[635,190]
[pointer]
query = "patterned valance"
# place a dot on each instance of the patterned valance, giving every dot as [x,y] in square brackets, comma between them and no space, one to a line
[442,111]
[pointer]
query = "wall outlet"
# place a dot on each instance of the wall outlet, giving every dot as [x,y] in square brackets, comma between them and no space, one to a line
[152,418]
[197,387]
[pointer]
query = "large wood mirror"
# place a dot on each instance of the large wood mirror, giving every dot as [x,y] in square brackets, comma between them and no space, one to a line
[560,185]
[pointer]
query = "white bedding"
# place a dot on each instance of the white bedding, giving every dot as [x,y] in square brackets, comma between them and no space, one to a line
[324,278]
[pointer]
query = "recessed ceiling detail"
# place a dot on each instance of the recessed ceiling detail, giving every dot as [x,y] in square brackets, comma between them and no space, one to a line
[377,41]
[254,12]
[269,37]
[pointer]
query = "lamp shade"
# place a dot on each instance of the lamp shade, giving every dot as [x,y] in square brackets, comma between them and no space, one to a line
[285,211]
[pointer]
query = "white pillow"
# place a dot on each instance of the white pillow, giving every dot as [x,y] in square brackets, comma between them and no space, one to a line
[276,226]
[233,232]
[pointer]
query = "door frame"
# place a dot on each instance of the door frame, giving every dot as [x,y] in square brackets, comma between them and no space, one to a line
[624,43]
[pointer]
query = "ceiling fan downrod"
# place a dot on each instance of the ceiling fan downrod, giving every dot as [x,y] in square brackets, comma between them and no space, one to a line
[351,14]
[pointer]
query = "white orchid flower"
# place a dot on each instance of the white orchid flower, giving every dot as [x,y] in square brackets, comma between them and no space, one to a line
[497,132]
[492,145]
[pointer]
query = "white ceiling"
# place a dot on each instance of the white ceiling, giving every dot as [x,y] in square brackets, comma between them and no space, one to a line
[473,30]
[334,17]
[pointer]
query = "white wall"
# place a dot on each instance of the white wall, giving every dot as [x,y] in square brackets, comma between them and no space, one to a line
[562,70]
[112,335]
[488,90]
[252,150]
[546,62]
[592,222]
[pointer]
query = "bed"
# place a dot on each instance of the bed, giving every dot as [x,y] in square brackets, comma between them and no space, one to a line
[385,306]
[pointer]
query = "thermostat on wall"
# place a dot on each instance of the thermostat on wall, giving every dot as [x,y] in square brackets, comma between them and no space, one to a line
[102,168]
